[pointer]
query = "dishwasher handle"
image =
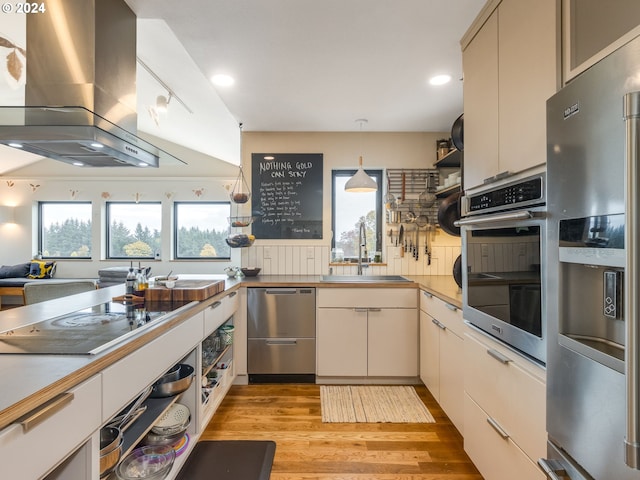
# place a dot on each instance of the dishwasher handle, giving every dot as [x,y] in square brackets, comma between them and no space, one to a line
[281,291]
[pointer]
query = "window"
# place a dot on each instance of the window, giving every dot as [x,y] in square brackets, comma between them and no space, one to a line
[133,229]
[349,209]
[64,229]
[201,229]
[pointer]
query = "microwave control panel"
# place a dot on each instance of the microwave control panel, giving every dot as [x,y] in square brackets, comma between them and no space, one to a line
[519,194]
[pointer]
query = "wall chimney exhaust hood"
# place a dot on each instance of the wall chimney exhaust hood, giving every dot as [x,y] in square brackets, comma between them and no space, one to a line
[80,92]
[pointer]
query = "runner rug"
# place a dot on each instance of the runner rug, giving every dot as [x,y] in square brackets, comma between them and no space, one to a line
[372,404]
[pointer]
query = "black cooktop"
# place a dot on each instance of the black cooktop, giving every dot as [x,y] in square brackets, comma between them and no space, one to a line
[85,332]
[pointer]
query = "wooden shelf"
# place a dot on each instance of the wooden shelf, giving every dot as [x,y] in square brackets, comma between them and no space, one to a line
[451,159]
[448,191]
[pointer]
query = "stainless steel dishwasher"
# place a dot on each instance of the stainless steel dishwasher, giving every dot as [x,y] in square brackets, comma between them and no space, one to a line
[281,330]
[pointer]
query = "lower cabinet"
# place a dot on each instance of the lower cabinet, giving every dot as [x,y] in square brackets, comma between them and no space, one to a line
[367,333]
[442,355]
[504,408]
[30,447]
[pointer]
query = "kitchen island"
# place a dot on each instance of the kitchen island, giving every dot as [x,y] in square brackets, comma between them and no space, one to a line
[31,381]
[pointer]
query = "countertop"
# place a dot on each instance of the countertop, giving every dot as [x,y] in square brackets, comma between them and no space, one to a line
[29,380]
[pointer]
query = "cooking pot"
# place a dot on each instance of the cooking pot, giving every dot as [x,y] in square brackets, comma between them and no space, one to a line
[457,133]
[449,212]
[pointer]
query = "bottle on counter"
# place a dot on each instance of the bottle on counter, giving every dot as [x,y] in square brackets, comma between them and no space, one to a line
[130,282]
[141,282]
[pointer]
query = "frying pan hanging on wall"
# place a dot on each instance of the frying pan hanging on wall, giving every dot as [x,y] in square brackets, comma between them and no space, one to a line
[449,212]
[457,133]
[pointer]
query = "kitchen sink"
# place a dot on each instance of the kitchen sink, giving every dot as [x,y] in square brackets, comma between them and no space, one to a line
[363,278]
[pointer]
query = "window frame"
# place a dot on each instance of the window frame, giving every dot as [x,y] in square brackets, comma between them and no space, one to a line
[378,176]
[108,255]
[176,228]
[40,238]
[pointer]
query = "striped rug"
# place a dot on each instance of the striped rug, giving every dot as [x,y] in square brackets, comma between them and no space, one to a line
[372,404]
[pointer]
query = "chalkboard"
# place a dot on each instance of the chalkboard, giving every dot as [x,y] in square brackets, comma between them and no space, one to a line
[286,194]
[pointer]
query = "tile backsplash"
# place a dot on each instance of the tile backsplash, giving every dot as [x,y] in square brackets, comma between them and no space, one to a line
[286,259]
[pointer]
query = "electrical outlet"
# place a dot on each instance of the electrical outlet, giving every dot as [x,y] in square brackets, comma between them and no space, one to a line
[310,252]
[267,252]
[484,250]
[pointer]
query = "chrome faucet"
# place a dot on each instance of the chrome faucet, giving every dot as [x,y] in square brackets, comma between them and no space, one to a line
[362,243]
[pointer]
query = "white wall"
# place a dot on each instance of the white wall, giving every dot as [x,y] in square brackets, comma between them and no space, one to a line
[58,181]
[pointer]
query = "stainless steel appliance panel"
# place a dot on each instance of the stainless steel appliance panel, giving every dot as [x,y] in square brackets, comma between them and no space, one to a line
[587,174]
[281,355]
[281,312]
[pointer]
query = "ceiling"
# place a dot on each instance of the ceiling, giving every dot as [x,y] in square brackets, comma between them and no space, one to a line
[309,65]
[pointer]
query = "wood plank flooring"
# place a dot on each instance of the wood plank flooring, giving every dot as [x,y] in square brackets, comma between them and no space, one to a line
[308,449]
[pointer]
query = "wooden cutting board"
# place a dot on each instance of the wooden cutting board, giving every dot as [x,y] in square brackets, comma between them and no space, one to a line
[185,290]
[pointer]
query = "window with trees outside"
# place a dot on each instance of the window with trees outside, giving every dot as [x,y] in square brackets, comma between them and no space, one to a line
[349,209]
[64,229]
[201,229]
[133,229]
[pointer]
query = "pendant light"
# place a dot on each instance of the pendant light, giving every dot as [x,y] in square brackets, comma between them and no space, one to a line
[361,182]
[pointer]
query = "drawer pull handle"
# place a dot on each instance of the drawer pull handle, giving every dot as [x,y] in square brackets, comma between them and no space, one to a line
[375,309]
[281,342]
[233,294]
[216,304]
[553,469]
[498,356]
[438,324]
[427,294]
[47,410]
[361,310]
[497,428]
[453,308]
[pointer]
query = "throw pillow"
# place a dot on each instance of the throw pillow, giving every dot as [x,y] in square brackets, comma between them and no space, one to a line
[42,269]
[15,271]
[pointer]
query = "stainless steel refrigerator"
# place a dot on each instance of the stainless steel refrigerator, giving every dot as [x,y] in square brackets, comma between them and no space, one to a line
[593,265]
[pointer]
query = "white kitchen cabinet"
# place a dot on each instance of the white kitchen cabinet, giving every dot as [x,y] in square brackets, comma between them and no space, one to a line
[442,355]
[587,39]
[505,395]
[31,452]
[367,333]
[510,69]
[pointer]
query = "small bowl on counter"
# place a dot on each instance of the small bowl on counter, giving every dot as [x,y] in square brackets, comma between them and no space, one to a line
[251,272]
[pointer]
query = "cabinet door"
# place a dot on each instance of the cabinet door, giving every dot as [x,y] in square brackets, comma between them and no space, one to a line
[495,455]
[527,76]
[452,377]
[342,342]
[393,342]
[480,65]
[430,354]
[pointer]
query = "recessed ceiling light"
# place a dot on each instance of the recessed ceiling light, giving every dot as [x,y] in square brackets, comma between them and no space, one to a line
[222,80]
[97,145]
[440,79]
[78,164]
[142,164]
[15,145]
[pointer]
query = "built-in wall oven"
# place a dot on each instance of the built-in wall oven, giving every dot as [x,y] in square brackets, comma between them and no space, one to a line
[503,232]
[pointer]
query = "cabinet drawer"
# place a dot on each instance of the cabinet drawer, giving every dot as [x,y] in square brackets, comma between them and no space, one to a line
[125,379]
[447,314]
[367,297]
[507,389]
[31,454]
[219,312]
[496,457]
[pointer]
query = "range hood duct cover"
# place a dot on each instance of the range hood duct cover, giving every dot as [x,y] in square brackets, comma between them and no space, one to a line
[80,93]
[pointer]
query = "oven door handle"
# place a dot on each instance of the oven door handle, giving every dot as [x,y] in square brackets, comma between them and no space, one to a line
[498,217]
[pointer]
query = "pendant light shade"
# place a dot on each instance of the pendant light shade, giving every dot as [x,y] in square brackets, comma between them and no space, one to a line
[361,182]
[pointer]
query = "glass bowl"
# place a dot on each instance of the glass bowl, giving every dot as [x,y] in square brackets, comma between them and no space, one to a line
[152,462]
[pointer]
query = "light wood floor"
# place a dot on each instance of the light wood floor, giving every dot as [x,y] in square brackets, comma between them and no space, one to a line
[308,449]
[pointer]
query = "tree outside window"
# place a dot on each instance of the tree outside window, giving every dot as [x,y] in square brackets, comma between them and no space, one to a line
[349,209]
[64,229]
[133,229]
[201,229]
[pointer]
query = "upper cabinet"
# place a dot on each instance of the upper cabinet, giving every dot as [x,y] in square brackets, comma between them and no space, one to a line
[510,61]
[587,38]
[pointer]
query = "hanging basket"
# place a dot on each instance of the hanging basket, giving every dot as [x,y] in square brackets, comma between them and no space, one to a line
[241,192]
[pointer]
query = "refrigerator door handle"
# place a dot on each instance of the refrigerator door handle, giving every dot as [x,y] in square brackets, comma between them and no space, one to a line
[632,277]
[553,469]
